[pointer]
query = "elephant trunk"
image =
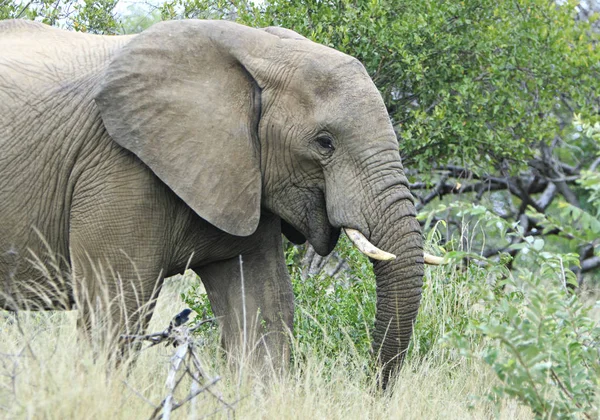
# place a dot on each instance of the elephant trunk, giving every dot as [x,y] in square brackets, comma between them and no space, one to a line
[399,283]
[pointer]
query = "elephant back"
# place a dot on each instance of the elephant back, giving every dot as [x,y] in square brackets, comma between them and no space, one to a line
[38,58]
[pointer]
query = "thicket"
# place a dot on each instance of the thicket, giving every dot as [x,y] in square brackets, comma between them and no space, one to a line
[495,104]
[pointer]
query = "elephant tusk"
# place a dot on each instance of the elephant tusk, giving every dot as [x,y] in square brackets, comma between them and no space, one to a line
[433,260]
[366,247]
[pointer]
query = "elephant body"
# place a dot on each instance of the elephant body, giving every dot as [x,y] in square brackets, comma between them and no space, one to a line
[88,204]
[127,159]
[46,100]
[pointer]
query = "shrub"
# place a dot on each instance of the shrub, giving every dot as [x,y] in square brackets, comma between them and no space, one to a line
[535,332]
[332,315]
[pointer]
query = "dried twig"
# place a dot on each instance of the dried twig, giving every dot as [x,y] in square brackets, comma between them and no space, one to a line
[181,336]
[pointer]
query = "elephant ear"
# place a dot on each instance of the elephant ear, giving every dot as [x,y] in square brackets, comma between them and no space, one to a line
[181,96]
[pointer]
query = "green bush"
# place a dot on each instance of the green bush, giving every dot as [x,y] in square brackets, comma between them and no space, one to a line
[545,347]
[335,315]
[332,315]
[534,331]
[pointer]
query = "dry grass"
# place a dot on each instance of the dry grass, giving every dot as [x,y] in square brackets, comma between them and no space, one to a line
[46,372]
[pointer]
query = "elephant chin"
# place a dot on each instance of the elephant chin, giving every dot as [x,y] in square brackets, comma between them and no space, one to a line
[324,239]
[319,232]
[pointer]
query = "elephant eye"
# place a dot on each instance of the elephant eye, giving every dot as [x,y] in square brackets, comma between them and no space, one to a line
[326,143]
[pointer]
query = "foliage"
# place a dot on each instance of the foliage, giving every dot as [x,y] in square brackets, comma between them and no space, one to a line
[479,83]
[335,315]
[590,179]
[94,16]
[548,346]
[535,333]
[10,9]
[138,18]
[451,298]
[199,9]
[577,224]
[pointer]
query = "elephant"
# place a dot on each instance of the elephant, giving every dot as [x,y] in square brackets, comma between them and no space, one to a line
[196,144]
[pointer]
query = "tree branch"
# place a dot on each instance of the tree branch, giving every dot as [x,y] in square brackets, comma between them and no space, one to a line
[590,264]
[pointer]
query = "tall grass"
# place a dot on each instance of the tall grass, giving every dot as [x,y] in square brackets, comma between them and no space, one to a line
[46,371]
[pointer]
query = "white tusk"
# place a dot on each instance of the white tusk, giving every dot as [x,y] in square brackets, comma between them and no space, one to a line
[367,247]
[372,251]
[433,260]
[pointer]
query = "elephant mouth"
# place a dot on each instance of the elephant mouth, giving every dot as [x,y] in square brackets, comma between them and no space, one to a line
[360,242]
[324,244]
[323,237]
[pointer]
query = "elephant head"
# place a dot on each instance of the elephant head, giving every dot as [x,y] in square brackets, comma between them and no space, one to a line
[239,121]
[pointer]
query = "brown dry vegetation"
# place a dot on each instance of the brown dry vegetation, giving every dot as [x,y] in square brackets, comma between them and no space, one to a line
[47,372]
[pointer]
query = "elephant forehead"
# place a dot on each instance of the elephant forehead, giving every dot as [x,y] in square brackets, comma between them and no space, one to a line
[332,87]
[324,66]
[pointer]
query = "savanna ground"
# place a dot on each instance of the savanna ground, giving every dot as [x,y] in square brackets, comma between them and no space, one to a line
[488,343]
[47,372]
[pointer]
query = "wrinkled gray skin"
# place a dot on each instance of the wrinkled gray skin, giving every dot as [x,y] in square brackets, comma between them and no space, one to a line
[192,143]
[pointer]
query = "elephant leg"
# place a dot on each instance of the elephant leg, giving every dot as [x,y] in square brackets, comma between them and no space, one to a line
[253,300]
[117,272]
[113,295]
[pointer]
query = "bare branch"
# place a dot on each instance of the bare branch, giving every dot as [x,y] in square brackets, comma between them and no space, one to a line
[179,334]
[435,193]
[590,264]
[547,196]
[595,164]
